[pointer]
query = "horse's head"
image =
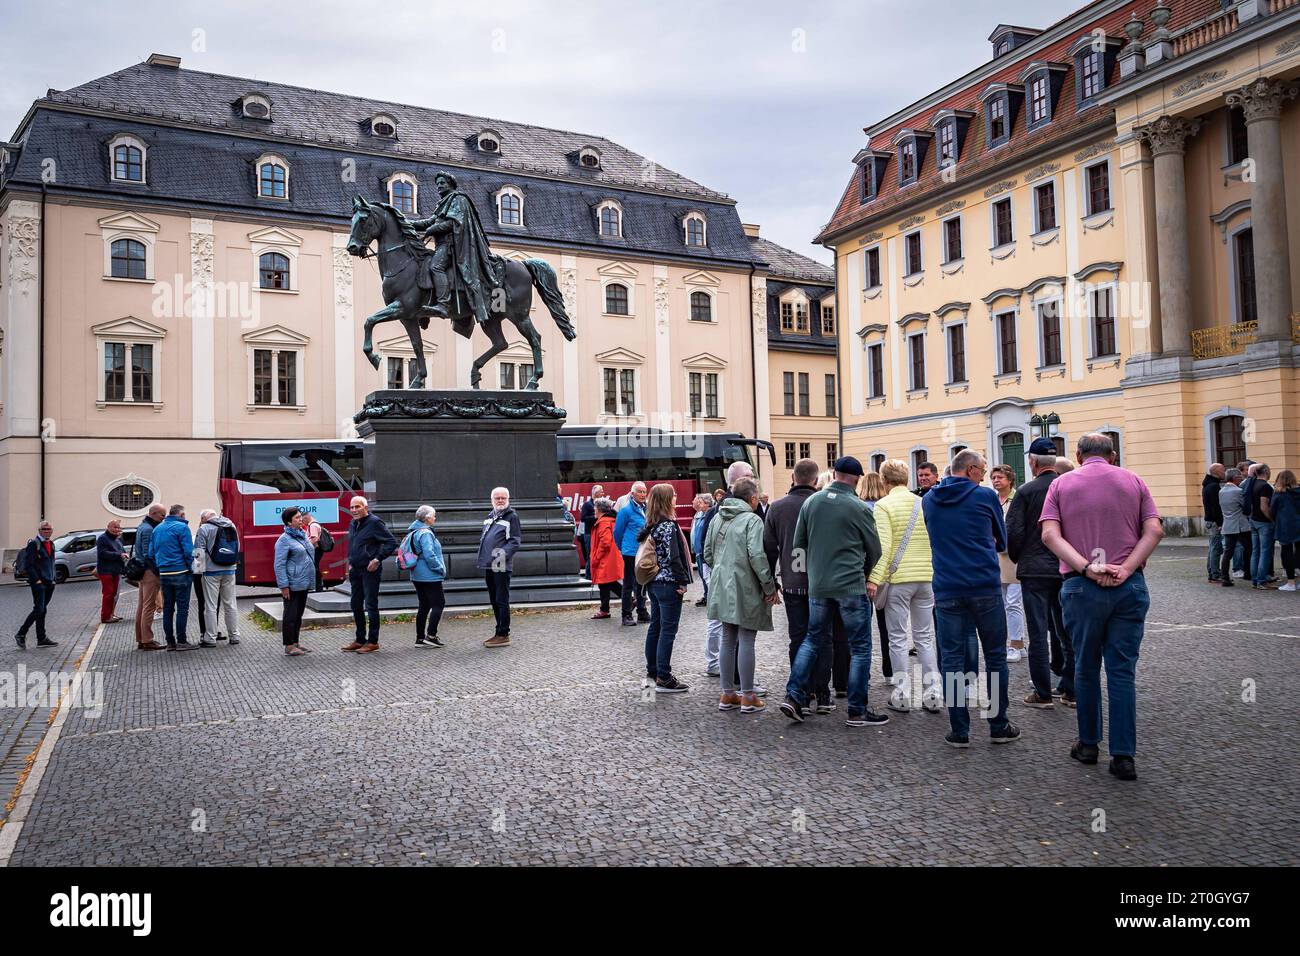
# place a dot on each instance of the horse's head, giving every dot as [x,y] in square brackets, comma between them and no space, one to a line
[367,226]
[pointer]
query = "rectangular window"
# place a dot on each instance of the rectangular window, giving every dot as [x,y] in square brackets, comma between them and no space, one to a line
[114,372]
[1098,188]
[787,380]
[711,395]
[1246,308]
[828,320]
[919,458]
[872,270]
[611,394]
[1093,80]
[805,449]
[907,163]
[1008,360]
[831,409]
[507,375]
[956,354]
[789,454]
[287,377]
[627,390]
[1238,141]
[1103,322]
[913,244]
[804,404]
[1114,443]
[1002,231]
[916,355]
[868,180]
[787,317]
[832,453]
[952,239]
[947,143]
[142,373]
[1049,329]
[876,371]
[801,317]
[696,390]
[1045,206]
[1040,101]
[262,377]
[997,121]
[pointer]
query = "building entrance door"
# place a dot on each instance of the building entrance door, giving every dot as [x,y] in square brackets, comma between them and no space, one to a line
[1011,450]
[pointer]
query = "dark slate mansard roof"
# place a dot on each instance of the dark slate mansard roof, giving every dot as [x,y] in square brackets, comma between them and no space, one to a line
[205,160]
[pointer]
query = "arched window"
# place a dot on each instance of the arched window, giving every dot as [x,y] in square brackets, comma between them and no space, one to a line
[128,259]
[510,208]
[616,299]
[701,307]
[589,158]
[273,271]
[128,159]
[383,126]
[401,193]
[695,230]
[1229,439]
[272,180]
[611,221]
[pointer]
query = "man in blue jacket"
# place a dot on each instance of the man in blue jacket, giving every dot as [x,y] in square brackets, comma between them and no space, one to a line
[628,524]
[39,558]
[497,545]
[369,543]
[967,531]
[171,552]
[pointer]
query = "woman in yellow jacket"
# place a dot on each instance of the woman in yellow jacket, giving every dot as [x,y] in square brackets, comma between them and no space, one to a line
[911,599]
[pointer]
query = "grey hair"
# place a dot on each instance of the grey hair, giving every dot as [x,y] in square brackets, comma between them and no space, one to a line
[425,512]
[1232,474]
[737,470]
[175,510]
[1039,461]
[964,460]
[1261,470]
[1096,444]
[205,514]
[744,488]
[360,498]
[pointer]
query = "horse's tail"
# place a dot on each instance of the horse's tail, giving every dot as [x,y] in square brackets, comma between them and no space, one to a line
[548,287]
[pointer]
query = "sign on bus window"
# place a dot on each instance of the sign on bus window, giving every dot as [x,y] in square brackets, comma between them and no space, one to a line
[324,510]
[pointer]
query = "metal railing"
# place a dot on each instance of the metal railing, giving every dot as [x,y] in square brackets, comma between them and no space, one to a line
[1223,340]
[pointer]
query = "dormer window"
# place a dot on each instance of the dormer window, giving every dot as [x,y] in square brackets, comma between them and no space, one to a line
[255,106]
[610,216]
[947,143]
[272,177]
[872,163]
[998,121]
[1093,59]
[1006,38]
[128,159]
[1000,103]
[1040,100]
[911,146]
[1042,84]
[695,229]
[383,126]
[589,158]
[950,128]
[489,142]
[1003,46]
[403,191]
[510,206]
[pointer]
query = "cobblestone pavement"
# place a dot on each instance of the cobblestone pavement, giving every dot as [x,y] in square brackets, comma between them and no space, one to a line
[546,752]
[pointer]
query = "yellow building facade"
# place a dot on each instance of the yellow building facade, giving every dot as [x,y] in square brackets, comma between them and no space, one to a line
[1089,233]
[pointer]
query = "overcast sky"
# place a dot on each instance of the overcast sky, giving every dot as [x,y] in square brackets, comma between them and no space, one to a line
[762,100]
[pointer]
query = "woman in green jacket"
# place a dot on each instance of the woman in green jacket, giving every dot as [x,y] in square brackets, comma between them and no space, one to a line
[742,590]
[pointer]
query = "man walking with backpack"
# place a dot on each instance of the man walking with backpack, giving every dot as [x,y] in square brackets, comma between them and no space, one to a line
[37,562]
[217,548]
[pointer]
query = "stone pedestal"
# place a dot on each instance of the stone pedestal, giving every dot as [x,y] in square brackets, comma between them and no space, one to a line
[449,448]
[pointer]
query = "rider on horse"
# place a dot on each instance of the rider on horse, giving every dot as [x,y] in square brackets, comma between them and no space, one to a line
[462,262]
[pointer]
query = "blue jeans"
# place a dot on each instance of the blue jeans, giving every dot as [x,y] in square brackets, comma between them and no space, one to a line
[1042,614]
[1261,551]
[665,612]
[1106,625]
[41,594]
[498,588]
[854,614]
[176,591]
[1216,550]
[965,625]
[365,602]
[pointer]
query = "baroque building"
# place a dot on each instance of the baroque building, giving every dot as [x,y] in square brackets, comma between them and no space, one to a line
[1090,232]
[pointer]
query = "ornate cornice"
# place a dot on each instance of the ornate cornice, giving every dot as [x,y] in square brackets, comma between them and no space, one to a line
[1262,99]
[1038,172]
[951,206]
[910,221]
[1094,150]
[1286,46]
[1198,81]
[1168,134]
[1001,187]
[467,406]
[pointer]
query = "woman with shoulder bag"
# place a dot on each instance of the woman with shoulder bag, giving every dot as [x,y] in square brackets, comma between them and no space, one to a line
[742,590]
[427,576]
[666,588]
[295,575]
[606,561]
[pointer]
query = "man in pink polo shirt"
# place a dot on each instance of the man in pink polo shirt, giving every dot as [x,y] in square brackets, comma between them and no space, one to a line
[1102,523]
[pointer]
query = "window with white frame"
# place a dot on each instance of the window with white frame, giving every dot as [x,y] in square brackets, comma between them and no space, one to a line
[128,246]
[489,142]
[399,371]
[128,259]
[912,262]
[907,162]
[999,129]
[273,271]
[1003,229]
[1097,183]
[703,392]
[876,370]
[1101,306]
[916,361]
[611,220]
[128,157]
[952,251]
[1045,206]
[403,193]
[515,374]
[695,230]
[275,367]
[129,362]
[947,143]
[1040,100]
[617,301]
[255,106]
[828,320]
[871,268]
[272,178]
[1051,350]
[956,340]
[801,317]
[619,385]
[383,126]
[787,316]
[1007,347]
[510,207]
[701,306]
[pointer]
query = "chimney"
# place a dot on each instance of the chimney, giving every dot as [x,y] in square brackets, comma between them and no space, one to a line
[162,59]
[751,229]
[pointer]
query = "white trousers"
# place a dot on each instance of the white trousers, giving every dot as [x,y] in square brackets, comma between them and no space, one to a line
[910,610]
[1015,604]
[219,590]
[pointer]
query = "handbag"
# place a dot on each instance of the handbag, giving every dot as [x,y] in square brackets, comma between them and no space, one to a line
[882,590]
[646,564]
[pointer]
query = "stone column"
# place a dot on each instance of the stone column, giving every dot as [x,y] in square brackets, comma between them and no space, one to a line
[1261,101]
[1167,137]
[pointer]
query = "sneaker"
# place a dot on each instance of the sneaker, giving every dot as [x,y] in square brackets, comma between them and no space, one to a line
[234,641]
[185,646]
[867,719]
[1289,586]
[428,640]
[1014,654]
[221,637]
[1084,753]
[825,706]
[1227,584]
[1067,699]
[46,643]
[21,641]
[1006,735]
[713,673]
[498,640]
[750,704]
[293,650]
[643,618]
[207,643]
[792,709]
[897,702]
[760,690]
[728,702]
[670,685]
[701,602]
[1041,703]
[1258,587]
[954,739]
[600,615]
[933,703]
[1238,574]
[629,622]
[1123,767]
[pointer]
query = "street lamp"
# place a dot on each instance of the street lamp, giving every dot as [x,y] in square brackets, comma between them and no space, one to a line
[1045,424]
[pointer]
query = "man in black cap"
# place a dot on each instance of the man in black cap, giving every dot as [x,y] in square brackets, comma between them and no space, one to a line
[836,533]
[1039,572]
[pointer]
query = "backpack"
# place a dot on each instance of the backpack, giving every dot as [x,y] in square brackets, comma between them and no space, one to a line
[224,550]
[647,561]
[325,543]
[407,556]
[20,564]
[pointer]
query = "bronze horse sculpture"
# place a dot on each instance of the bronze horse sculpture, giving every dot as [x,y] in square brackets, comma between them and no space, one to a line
[409,294]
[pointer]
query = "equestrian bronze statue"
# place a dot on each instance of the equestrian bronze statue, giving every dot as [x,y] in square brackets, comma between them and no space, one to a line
[461,280]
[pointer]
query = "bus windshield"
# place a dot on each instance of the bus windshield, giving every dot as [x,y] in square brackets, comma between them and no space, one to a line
[285,468]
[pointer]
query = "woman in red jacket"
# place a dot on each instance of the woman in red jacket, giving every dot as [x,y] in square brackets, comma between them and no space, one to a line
[606,561]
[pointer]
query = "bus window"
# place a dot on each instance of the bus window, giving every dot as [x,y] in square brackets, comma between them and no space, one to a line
[289,469]
[711,479]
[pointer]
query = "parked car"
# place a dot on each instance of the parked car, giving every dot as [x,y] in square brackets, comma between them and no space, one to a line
[74,554]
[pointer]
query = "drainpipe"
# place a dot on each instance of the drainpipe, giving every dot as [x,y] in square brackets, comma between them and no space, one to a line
[40,364]
[753,371]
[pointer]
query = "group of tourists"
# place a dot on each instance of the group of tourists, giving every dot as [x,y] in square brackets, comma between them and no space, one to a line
[1247,512]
